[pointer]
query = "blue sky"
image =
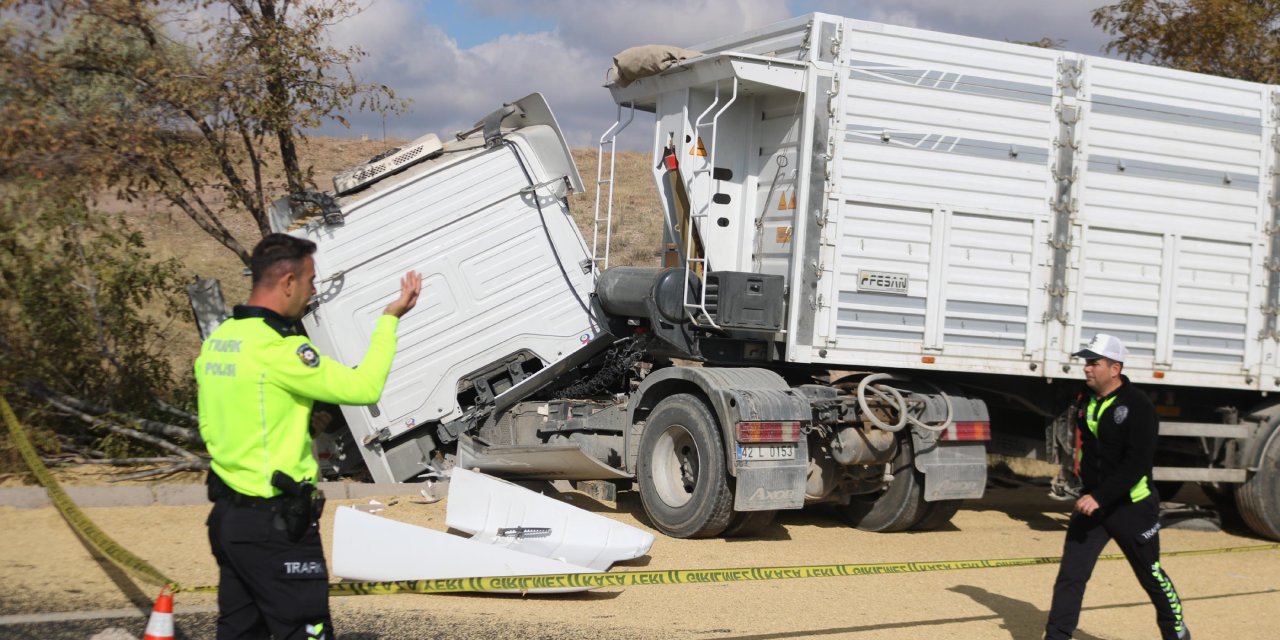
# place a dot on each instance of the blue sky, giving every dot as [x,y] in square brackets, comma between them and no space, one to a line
[469,25]
[457,60]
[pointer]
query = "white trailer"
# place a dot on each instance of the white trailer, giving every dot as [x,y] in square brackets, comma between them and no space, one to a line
[975,211]
[882,244]
[973,205]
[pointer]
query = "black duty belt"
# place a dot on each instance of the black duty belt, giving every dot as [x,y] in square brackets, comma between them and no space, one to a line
[219,491]
[236,499]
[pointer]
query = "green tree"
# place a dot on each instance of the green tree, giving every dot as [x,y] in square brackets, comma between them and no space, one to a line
[199,102]
[1232,38]
[83,309]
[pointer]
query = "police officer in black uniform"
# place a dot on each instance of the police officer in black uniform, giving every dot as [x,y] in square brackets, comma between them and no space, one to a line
[259,379]
[1118,427]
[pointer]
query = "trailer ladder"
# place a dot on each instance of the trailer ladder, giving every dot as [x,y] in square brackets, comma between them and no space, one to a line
[699,215]
[599,252]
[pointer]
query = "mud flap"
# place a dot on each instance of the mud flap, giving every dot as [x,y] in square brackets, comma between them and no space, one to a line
[952,470]
[773,484]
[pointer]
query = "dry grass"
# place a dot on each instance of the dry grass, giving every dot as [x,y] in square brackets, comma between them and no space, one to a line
[637,212]
[170,234]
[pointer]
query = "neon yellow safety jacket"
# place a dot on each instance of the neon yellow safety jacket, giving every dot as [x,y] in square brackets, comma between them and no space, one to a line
[258,379]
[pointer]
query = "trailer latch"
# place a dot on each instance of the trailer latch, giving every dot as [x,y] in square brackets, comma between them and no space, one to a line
[524,532]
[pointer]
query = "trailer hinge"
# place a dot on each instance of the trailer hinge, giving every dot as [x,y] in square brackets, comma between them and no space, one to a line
[1069,115]
[378,437]
[836,42]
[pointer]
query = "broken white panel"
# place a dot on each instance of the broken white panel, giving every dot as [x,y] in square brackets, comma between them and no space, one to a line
[508,516]
[371,548]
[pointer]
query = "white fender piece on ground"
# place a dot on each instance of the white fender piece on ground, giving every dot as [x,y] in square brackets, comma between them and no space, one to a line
[369,548]
[508,516]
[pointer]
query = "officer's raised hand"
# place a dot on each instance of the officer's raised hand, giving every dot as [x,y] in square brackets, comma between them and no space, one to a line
[410,287]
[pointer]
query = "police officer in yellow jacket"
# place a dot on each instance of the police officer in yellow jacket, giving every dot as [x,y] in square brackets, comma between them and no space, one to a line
[1117,430]
[258,378]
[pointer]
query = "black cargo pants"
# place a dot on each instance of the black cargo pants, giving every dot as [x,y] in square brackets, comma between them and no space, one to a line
[1136,529]
[268,586]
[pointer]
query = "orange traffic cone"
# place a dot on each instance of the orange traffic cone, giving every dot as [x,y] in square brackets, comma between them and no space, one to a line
[160,626]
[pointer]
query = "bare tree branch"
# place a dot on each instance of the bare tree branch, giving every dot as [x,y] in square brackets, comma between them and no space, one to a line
[126,462]
[90,413]
[174,411]
[209,221]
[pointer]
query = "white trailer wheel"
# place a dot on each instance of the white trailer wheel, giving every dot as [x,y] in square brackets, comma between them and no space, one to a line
[681,471]
[675,466]
[1258,499]
[897,508]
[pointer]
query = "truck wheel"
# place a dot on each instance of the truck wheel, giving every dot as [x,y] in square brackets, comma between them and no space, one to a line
[937,514]
[896,508]
[1258,499]
[683,482]
[749,523]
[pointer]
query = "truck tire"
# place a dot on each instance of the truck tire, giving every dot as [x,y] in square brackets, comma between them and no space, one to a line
[1258,499]
[749,523]
[937,514]
[681,471]
[897,508]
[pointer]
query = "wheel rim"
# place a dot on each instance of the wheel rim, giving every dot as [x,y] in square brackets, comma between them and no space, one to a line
[675,466]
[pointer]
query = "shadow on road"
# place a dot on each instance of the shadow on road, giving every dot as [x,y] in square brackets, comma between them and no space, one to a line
[1020,619]
[1026,503]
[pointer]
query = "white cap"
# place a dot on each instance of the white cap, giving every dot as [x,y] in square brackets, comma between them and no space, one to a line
[1103,346]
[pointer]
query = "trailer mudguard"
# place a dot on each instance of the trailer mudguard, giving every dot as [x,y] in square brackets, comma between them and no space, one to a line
[735,395]
[953,470]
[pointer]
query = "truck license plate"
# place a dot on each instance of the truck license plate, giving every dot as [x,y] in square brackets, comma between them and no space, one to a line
[766,452]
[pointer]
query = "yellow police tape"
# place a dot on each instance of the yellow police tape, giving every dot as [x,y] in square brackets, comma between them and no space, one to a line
[136,566]
[708,576]
[88,531]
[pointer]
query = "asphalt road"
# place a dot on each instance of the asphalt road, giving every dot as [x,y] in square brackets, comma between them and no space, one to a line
[45,570]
